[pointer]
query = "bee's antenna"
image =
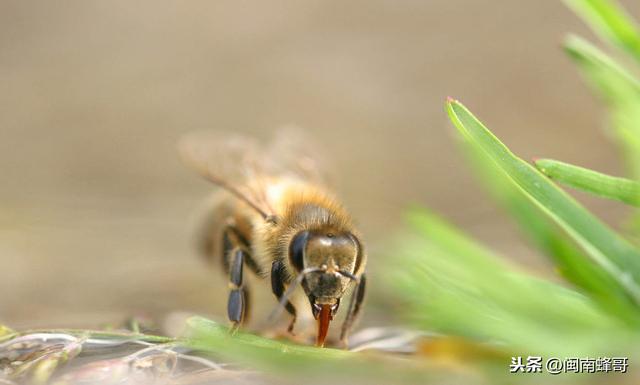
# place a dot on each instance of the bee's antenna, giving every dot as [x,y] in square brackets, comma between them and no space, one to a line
[348,275]
[287,294]
[234,191]
[205,170]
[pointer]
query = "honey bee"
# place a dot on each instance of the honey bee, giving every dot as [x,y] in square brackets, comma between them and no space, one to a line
[276,219]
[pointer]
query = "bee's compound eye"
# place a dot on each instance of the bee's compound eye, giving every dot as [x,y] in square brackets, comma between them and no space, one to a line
[296,249]
[359,254]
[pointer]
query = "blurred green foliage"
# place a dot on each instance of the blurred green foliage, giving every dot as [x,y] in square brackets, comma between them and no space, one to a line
[459,287]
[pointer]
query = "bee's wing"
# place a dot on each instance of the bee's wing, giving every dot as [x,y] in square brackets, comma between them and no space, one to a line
[293,153]
[236,162]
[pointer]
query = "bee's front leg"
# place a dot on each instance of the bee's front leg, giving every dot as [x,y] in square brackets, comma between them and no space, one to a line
[355,305]
[278,276]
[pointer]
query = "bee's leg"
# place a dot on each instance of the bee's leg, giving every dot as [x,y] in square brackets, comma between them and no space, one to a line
[232,239]
[234,258]
[237,303]
[278,276]
[355,305]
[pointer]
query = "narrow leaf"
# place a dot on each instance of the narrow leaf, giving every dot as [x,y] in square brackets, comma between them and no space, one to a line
[319,364]
[607,186]
[571,261]
[616,256]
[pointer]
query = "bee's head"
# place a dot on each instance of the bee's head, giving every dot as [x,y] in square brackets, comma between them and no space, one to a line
[331,259]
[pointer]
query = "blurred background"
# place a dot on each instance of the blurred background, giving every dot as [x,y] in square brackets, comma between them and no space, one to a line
[96,209]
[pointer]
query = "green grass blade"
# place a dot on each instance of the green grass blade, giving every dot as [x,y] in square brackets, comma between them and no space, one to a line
[282,358]
[620,91]
[459,287]
[606,186]
[571,261]
[611,22]
[616,256]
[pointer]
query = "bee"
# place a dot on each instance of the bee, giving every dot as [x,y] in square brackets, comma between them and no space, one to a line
[275,218]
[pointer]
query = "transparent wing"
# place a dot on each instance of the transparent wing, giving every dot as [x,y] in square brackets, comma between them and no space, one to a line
[238,163]
[291,152]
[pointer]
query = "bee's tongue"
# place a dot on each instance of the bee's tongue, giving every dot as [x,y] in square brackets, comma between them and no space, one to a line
[323,324]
